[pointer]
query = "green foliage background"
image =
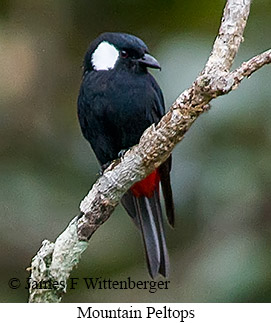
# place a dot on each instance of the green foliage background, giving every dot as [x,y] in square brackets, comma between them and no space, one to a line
[220,250]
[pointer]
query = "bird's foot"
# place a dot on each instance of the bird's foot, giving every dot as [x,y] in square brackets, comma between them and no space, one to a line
[103,168]
[114,162]
[122,152]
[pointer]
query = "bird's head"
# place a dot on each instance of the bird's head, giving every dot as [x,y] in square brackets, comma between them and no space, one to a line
[118,51]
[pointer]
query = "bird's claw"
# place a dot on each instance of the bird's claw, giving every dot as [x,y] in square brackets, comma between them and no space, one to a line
[103,168]
[122,153]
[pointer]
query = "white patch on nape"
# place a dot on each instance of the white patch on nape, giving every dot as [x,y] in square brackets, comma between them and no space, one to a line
[104,57]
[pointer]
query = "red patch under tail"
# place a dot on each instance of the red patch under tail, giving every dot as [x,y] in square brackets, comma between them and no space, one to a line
[147,186]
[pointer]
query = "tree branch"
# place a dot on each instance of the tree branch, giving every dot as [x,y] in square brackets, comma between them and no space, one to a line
[229,37]
[54,261]
[249,67]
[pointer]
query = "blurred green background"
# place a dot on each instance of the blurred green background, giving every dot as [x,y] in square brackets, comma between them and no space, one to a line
[220,250]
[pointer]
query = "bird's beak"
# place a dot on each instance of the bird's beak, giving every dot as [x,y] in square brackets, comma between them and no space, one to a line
[149,61]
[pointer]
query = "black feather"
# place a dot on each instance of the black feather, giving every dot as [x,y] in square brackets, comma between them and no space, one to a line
[164,171]
[115,106]
[147,215]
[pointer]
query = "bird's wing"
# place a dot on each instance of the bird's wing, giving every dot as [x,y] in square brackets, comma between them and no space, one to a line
[158,103]
[146,210]
[164,172]
[157,112]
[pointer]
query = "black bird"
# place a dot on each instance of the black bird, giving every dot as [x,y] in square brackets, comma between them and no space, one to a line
[118,100]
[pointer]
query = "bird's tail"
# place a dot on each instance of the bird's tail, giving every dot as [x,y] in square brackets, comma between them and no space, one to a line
[147,215]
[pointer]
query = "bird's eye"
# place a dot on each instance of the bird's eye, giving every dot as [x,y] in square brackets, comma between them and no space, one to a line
[124,54]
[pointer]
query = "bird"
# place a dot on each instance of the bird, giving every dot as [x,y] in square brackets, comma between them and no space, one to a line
[118,100]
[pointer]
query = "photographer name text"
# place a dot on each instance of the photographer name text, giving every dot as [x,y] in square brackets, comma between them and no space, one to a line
[98,283]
